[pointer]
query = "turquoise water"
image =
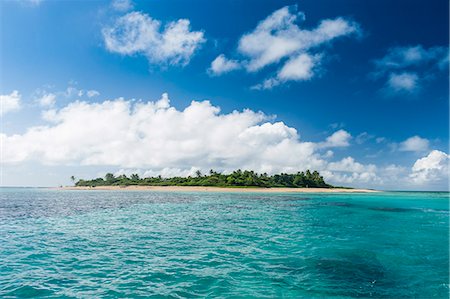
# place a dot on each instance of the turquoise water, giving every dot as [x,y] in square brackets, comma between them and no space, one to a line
[90,244]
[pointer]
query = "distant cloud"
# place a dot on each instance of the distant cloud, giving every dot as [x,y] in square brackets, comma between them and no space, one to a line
[46,95]
[403,57]
[433,167]
[10,102]
[222,65]
[337,125]
[414,144]
[350,165]
[300,68]
[403,82]
[47,100]
[156,138]
[92,93]
[405,68]
[339,138]
[380,139]
[348,171]
[279,40]
[30,2]
[122,5]
[137,33]
[363,137]
[152,138]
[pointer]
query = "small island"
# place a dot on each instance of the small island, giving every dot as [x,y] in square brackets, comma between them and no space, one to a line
[237,178]
[237,181]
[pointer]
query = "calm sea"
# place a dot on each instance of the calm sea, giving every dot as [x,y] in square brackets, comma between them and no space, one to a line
[91,244]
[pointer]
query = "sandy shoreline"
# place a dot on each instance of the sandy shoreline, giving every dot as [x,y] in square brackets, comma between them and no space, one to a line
[220,189]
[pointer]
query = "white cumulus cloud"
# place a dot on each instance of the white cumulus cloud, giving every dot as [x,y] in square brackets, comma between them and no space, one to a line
[222,65]
[298,68]
[339,138]
[415,144]
[155,138]
[433,167]
[10,102]
[138,33]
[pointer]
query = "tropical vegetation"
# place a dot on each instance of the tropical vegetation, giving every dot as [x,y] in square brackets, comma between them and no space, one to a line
[237,178]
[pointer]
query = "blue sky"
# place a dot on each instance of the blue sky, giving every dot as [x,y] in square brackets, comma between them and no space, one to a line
[364,85]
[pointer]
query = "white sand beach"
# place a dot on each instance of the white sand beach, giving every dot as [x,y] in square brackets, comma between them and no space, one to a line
[221,189]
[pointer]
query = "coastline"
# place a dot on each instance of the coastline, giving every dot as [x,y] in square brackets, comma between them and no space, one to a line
[219,189]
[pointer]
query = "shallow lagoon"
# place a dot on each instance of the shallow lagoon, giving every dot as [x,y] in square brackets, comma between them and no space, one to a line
[57,243]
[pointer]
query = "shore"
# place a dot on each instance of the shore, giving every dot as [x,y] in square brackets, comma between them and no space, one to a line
[221,189]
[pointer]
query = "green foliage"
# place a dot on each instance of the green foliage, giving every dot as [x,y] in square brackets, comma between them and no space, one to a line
[237,178]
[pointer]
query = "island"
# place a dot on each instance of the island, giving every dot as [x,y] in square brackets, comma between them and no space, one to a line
[236,181]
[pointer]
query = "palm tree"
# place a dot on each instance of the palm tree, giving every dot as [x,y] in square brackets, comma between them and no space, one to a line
[72,178]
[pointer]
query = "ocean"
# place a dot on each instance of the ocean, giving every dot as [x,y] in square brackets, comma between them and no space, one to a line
[131,244]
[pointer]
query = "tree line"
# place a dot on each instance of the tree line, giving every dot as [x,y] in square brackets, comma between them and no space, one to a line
[237,178]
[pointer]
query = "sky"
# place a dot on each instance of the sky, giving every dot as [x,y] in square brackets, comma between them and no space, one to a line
[357,90]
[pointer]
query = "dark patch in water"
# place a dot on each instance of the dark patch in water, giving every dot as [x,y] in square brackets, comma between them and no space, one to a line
[389,209]
[291,198]
[338,204]
[240,207]
[352,275]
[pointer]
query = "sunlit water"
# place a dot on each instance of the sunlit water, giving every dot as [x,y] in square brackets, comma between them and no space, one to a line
[130,244]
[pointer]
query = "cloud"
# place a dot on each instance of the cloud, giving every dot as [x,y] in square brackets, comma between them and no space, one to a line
[403,57]
[279,40]
[433,167]
[380,139]
[222,65]
[403,82]
[137,33]
[414,144]
[339,138]
[152,138]
[47,100]
[10,102]
[363,137]
[46,96]
[299,68]
[350,165]
[156,138]
[405,68]
[122,5]
[30,2]
[278,36]
[348,171]
[92,93]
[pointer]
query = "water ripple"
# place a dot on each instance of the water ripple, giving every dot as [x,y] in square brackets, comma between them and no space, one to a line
[183,245]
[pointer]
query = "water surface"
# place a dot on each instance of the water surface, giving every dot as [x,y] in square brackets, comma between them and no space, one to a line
[84,244]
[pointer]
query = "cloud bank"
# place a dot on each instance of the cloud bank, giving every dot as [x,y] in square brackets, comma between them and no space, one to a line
[156,138]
